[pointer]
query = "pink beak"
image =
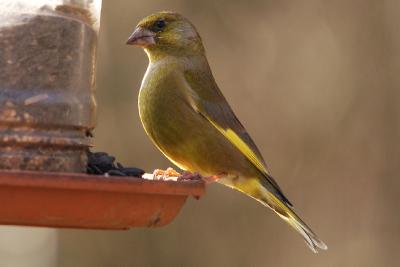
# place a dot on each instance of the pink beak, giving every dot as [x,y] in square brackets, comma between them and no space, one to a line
[141,37]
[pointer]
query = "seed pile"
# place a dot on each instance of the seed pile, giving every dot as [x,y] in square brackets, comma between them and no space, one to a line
[101,163]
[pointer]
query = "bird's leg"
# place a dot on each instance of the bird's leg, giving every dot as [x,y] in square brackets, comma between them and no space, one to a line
[213,178]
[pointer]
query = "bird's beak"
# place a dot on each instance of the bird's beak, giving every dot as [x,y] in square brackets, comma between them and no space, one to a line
[141,37]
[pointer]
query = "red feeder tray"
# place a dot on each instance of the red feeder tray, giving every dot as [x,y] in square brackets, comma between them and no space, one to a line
[90,201]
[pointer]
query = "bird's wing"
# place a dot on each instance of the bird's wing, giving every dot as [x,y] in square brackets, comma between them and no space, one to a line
[207,99]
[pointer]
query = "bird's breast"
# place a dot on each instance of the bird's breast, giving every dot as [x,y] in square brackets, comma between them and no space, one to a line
[161,107]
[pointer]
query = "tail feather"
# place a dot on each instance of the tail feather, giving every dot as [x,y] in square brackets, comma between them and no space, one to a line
[273,200]
[289,216]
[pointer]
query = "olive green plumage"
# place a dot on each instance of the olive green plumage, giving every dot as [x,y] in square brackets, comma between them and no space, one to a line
[189,120]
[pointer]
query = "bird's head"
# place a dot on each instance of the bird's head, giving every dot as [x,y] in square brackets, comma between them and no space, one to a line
[167,33]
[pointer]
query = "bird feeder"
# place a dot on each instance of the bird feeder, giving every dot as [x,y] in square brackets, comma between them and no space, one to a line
[88,201]
[47,104]
[47,111]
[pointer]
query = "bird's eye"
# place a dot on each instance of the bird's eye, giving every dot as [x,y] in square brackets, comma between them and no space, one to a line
[160,24]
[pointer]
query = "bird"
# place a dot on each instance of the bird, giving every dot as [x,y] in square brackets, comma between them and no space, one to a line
[185,114]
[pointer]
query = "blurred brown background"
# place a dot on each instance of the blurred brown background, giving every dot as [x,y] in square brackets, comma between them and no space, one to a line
[316,84]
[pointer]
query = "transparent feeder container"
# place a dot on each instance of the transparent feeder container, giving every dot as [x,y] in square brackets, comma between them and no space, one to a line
[47,61]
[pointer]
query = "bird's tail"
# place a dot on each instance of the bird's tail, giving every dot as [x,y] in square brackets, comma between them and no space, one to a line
[278,203]
[289,216]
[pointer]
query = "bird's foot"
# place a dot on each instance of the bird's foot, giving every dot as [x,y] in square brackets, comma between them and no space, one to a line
[188,176]
[172,175]
[166,175]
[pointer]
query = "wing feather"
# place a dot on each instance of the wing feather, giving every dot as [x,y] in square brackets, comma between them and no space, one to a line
[207,99]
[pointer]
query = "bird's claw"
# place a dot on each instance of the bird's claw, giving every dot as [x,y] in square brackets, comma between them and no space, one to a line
[188,176]
[171,175]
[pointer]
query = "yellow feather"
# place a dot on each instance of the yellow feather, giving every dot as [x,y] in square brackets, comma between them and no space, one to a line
[241,145]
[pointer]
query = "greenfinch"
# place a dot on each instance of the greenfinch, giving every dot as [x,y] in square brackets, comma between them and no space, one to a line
[189,120]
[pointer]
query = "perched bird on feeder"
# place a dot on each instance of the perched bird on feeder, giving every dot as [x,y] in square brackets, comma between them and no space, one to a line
[189,120]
